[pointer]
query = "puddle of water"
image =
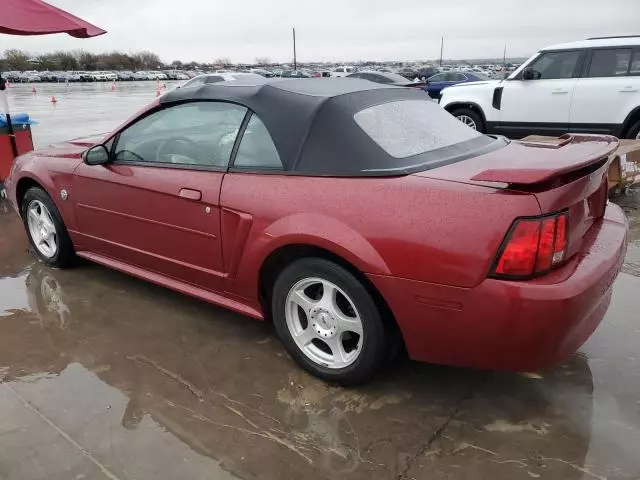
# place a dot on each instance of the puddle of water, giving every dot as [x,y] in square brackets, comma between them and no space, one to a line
[13,295]
[100,435]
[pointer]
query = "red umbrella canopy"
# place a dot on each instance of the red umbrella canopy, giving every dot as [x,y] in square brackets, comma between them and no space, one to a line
[35,17]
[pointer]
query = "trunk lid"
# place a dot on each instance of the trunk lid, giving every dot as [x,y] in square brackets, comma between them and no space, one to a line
[567,174]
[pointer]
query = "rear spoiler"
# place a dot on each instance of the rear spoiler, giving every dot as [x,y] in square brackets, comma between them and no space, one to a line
[566,154]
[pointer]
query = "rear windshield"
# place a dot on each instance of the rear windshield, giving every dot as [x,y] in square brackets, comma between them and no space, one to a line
[410,127]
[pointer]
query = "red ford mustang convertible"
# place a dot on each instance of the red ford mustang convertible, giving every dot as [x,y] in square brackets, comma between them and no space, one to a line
[360,218]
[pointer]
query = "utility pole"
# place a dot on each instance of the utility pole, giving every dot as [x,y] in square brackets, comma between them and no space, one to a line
[295,60]
[441,49]
[504,56]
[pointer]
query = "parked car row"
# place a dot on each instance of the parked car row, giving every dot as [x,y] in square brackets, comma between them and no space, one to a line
[94,76]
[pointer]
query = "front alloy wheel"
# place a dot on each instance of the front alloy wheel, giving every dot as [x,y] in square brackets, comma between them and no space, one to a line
[47,233]
[42,229]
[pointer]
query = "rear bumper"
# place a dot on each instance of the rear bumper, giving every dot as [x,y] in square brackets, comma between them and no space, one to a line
[509,325]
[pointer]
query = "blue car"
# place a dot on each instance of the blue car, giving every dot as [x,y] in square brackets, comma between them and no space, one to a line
[439,81]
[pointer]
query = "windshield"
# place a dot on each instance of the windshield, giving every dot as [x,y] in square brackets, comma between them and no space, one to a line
[411,127]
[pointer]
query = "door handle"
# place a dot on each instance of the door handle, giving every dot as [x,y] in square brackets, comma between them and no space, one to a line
[559,92]
[190,194]
[628,90]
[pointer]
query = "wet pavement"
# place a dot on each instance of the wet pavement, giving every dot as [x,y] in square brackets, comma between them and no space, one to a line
[80,109]
[103,376]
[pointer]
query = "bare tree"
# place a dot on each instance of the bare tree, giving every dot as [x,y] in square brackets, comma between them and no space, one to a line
[15,59]
[86,60]
[262,61]
[222,62]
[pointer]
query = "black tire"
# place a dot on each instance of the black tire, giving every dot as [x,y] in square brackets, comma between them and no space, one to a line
[480,127]
[375,350]
[65,253]
[634,131]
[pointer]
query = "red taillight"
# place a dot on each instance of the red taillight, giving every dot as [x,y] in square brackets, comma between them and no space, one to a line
[534,246]
[561,238]
[545,247]
[519,254]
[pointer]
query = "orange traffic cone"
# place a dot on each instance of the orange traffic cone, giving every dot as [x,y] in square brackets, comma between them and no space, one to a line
[33,88]
[113,86]
[54,100]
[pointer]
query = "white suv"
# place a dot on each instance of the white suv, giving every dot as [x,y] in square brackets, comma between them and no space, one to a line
[590,86]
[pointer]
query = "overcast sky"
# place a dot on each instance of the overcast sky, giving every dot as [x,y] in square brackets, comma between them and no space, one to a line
[336,30]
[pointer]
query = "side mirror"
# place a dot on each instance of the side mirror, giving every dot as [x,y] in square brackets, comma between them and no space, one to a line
[97,155]
[530,74]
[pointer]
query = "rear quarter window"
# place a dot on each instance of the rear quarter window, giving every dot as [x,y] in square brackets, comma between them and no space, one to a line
[410,127]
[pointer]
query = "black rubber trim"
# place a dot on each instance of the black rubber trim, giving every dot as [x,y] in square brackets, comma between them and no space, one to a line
[497,98]
[239,137]
[174,166]
[522,129]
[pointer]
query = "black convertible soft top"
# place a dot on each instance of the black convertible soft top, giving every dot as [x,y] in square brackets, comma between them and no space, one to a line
[311,122]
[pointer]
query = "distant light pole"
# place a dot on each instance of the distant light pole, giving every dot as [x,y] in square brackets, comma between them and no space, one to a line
[295,60]
[441,49]
[504,56]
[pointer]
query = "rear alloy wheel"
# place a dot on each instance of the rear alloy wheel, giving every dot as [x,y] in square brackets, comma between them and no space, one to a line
[47,234]
[470,118]
[328,321]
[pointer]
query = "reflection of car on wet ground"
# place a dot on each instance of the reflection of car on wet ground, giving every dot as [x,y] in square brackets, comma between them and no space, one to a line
[88,317]
[347,212]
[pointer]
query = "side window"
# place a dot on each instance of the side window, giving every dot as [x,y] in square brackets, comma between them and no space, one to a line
[257,148]
[611,62]
[457,77]
[197,134]
[438,78]
[635,64]
[556,65]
